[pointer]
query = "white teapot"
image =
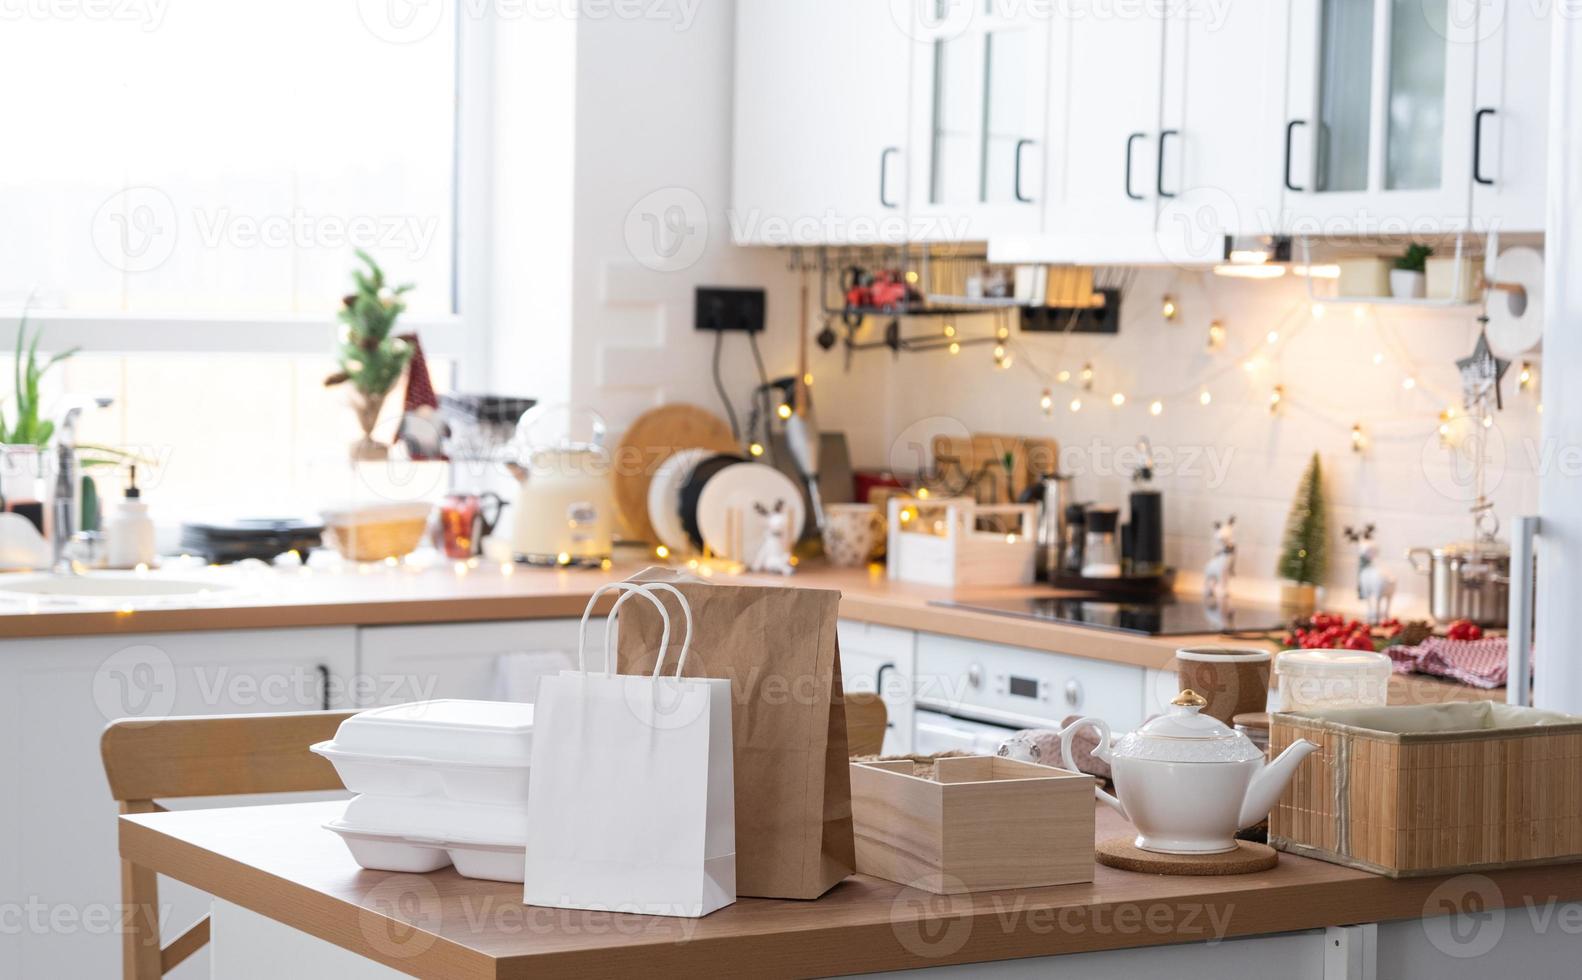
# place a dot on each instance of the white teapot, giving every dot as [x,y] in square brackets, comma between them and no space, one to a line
[1186,781]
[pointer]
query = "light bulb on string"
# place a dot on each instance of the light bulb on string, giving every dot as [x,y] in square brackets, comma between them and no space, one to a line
[1076,405]
[1117,399]
[950,330]
[1156,407]
[954,348]
[1063,376]
[1408,383]
[1216,335]
[1046,401]
[1168,308]
[1359,441]
[1087,376]
[1527,377]
[1276,397]
[1205,397]
[1273,337]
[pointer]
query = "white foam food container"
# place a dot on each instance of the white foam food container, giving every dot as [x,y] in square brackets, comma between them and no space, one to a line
[412,854]
[1312,680]
[475,751]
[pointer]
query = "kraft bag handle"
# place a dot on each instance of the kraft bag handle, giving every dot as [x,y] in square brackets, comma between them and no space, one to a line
[609,657]
[686,609]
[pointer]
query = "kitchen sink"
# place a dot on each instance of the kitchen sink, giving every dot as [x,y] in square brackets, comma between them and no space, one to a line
[107,586]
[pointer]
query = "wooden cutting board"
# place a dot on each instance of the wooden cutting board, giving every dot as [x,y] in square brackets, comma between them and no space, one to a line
[652,438]
[957,459]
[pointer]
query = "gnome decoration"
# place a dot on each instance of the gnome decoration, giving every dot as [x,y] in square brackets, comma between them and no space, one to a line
[422,431]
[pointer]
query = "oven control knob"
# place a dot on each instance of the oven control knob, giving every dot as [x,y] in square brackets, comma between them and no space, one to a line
[1074,692]
[975,676]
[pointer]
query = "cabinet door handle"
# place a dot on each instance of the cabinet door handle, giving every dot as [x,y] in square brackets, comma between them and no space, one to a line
[1477,146]
[1016,180]
[324,686]
[1290,127]
[1130,140]
[1159,170]
[884,176]
[878,688]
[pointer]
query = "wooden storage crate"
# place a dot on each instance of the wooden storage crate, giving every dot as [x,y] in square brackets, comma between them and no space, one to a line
[982,823]
[939,542]
[1432,789]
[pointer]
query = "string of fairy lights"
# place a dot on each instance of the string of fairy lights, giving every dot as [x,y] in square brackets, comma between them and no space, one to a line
[1076,388]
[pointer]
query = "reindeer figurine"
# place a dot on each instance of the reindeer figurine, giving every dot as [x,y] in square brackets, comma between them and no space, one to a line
[772,555]
[1217,573]
[1375,586]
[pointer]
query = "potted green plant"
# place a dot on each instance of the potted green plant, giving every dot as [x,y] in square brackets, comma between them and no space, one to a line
[371,356]
[23,433]
[1406,279]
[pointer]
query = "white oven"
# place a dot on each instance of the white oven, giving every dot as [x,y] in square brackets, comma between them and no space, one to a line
[936,731]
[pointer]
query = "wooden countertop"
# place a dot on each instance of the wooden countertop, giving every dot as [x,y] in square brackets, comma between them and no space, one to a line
[373,595]
[279,861]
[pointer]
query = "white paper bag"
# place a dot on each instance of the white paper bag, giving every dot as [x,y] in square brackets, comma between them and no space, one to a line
[631,802]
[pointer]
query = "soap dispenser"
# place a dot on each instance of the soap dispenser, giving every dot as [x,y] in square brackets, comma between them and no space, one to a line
[131,532]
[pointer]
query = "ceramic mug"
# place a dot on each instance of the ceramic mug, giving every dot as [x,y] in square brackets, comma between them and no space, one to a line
[1235,680]
[853,534]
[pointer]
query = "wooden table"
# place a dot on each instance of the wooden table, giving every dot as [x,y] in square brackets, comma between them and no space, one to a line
[279,862]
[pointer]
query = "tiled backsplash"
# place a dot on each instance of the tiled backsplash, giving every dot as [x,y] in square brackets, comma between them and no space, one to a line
[1390,368]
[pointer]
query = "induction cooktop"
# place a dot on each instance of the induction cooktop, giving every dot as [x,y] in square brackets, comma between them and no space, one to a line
[1166,617]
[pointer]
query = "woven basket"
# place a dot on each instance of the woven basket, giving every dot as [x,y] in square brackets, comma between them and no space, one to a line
[1432,789]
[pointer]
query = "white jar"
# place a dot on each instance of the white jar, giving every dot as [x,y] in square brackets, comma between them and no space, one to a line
[1315,680]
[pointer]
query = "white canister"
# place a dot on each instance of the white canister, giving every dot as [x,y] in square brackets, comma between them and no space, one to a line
[1315,680]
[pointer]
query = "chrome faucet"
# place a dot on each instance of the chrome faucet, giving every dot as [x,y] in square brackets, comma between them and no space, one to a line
[65,500]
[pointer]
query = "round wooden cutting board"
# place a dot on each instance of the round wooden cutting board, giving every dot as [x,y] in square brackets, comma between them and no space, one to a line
[652,438]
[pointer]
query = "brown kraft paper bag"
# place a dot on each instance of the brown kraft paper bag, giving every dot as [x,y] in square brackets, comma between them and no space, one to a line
[788,722]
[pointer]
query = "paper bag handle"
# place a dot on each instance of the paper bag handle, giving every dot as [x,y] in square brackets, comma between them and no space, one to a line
[686,609]
[609,656]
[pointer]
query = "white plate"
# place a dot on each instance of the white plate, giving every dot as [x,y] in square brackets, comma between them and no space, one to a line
[664,498]
[738,487]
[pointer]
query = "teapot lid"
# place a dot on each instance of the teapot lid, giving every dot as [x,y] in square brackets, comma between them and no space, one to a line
[1184,734]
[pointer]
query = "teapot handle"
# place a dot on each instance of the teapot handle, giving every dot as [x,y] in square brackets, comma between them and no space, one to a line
[1101,752]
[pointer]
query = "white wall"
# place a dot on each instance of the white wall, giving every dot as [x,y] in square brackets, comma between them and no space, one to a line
[653,144]
[1404,482]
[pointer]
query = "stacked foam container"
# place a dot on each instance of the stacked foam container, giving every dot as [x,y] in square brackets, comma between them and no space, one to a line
[437,783]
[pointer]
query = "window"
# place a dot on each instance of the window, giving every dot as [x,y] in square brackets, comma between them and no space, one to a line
[222,157]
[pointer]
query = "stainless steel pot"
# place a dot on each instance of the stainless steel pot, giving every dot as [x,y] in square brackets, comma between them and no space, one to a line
[1467,581]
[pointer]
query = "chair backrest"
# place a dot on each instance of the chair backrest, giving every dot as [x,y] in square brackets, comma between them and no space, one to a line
[148,759]
[866,721]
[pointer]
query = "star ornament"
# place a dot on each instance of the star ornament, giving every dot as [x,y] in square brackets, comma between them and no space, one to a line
[1481,374]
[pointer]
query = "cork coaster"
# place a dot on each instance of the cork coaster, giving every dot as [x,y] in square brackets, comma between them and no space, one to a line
[1120,852]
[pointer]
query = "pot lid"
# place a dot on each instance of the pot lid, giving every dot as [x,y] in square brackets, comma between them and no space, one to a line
[1185,734]
[1466,549]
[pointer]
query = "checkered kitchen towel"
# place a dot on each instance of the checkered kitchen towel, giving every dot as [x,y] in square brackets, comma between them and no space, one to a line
[1479,663]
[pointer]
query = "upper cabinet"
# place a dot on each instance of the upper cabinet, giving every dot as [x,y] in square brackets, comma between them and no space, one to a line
[1137,135]
[980,157]
[820,142]
[1378,134]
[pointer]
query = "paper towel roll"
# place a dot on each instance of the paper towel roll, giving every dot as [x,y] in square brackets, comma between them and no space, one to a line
[1516,329]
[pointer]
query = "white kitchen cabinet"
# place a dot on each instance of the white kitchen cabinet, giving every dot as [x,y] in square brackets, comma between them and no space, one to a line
[1510,122]
[1220,170]
[1103,205]
[470,661]
[980,157]
[1379,126]
[59,860]
[882,660]
[821,117]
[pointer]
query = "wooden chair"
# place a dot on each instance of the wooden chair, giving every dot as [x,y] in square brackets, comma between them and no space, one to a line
[866,721]
[146,759]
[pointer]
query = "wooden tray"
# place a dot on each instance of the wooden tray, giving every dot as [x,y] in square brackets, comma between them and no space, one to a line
[982,823]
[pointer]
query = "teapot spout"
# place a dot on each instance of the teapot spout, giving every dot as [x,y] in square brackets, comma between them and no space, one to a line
[1265,789]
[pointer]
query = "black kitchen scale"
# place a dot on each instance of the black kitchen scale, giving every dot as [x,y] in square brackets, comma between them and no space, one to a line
[1166,617]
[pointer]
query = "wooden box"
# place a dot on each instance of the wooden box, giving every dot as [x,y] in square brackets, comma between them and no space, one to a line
[1432,789]
[982,823]
[941,542]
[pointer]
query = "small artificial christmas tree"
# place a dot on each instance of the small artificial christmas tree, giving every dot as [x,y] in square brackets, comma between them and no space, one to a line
[1304,555]
[371,358]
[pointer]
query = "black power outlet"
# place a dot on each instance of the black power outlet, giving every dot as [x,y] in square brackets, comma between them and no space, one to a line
[716,308]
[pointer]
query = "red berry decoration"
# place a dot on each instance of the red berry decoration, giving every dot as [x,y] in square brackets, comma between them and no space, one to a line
[1463,629]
